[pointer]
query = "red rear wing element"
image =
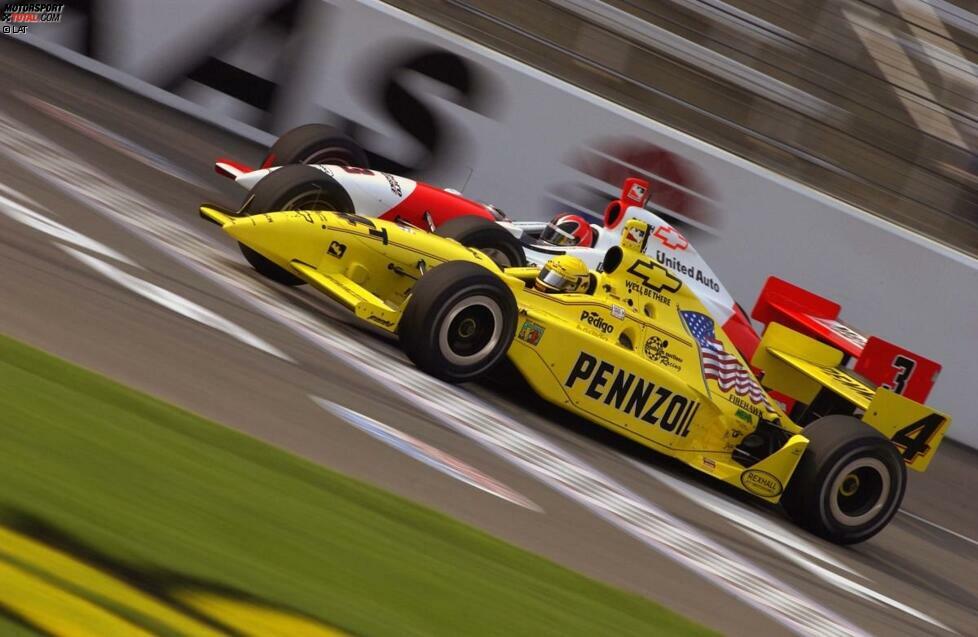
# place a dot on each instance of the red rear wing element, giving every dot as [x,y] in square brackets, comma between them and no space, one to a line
[808,313]
[899,370]
[883,363]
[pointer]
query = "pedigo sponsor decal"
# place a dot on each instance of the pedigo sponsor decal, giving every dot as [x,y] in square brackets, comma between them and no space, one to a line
[595,320]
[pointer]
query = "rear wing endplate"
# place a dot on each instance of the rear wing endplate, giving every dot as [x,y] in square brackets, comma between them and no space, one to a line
[801,367]
[884,363]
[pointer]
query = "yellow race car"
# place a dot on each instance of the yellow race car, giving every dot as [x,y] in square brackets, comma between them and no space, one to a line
[630,348]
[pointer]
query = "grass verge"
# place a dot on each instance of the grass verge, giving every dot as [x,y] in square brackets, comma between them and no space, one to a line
[121,512]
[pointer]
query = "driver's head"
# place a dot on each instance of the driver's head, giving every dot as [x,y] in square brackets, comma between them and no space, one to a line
[568,230]
[563,274]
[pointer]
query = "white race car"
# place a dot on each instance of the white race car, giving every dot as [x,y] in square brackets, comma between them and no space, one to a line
[314,167]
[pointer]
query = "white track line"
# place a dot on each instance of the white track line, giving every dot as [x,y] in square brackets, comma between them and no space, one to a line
[939,527]
[786,543]
[426,454]
[19,212]
[446,404]
[176,303]
[10,206]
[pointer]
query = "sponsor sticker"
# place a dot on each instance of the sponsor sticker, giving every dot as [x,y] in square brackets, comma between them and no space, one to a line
[761,483]
[632,395]
[842,330]
[710,463]
[336,249]
[634,234]
[595,320]
[637,192]
[690,271]
[670,238]
[380,321]
[651,280]
[531,333]
[395,187]
[656,349]
[618,311]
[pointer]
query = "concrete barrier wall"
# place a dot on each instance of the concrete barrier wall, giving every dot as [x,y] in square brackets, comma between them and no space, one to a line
[427,103]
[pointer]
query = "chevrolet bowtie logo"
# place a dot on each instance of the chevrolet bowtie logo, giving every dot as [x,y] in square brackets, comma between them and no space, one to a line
[670,238]
[655,276]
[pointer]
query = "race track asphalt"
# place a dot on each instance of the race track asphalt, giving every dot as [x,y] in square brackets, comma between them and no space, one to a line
[135,307]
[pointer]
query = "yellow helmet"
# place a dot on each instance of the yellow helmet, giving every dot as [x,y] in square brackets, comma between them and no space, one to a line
[563,274]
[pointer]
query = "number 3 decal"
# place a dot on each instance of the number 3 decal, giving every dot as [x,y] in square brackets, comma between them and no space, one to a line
[904,367]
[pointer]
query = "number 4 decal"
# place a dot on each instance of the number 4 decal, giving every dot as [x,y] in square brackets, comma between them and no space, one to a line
[904,367]
[912,440]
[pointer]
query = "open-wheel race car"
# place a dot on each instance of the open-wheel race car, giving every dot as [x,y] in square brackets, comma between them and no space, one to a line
[629,346]
[315,167]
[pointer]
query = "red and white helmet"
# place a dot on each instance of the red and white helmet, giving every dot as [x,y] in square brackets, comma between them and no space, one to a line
[568,230]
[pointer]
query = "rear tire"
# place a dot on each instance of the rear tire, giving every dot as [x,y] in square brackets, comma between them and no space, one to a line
[496,242]
[316,144]
[291,188]
[459,322]
[850,482]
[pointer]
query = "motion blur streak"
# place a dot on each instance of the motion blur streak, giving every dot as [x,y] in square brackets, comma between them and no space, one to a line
[425,453]
[166,298]
[21,213]
[177,303]
[786,544]
[451,406]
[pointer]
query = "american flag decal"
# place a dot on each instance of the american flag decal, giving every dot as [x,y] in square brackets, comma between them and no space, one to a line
[718,364]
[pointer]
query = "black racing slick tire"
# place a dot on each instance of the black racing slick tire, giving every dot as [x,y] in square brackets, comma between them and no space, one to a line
[849,483]
[291,188]
[297,188]
[496,242]
[316,144]
[459,322]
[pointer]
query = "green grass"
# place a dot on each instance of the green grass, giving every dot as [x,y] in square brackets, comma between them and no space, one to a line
[165,496]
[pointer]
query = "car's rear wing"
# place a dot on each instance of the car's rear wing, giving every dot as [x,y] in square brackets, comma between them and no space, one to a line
[885,364]
[811,373]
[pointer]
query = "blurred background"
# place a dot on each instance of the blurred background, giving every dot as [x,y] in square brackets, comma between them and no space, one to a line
[828,142]
[542,106]
[871,101]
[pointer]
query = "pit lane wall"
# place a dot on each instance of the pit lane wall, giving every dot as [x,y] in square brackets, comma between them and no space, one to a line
[429,104]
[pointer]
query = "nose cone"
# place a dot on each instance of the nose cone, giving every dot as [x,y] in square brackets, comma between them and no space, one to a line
[281,236]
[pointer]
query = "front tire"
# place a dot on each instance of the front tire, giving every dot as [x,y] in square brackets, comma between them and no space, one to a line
[297,188]
[850,482]
[459,322]
[291,188]
[493,240]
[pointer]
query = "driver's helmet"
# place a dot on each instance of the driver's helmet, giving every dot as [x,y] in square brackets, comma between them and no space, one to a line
[568,230]
[563,274]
